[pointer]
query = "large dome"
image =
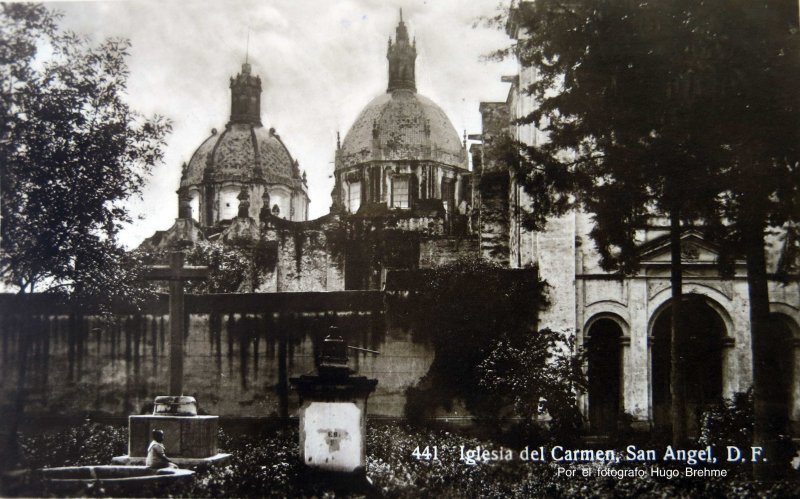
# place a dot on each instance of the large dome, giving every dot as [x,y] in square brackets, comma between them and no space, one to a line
[243,152]
[402,125]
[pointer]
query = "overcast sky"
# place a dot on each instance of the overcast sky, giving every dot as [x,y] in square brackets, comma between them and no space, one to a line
[320,63]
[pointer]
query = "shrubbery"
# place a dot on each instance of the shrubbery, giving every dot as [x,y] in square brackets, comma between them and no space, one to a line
[267,464]
[89,443]
[728,423]
[731,423]
[481,321]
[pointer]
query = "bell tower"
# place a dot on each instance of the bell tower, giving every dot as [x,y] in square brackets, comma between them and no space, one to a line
[402,55]
[246,97]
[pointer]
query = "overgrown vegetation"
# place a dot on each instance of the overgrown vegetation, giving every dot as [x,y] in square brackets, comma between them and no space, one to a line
[481,321]
[267,464]
[232,267]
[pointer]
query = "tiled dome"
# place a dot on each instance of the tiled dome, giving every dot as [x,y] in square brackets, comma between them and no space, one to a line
[243,152]
[402,125]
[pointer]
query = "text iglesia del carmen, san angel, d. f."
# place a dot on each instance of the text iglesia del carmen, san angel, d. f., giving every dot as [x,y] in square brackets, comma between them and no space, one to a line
[562,455]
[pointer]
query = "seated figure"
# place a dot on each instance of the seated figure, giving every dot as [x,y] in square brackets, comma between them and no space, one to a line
[156,453]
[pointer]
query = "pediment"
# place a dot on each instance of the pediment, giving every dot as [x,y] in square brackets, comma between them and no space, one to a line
[694,248]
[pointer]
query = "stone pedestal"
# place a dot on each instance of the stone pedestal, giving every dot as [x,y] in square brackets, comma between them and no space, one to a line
[333,413]
[333,422]
[190,440]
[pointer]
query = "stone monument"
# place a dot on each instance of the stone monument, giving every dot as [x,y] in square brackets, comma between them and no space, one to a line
[333,412]
[191,440]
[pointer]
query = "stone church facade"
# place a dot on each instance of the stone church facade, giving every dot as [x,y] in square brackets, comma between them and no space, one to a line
[405,199]
[624,323]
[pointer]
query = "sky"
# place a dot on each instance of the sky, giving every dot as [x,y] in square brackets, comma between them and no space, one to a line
[320,63]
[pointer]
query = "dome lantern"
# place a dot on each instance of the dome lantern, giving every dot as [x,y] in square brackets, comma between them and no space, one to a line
[402,56]
[246,97]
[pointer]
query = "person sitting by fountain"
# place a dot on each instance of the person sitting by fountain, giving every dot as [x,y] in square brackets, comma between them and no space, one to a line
[156,453]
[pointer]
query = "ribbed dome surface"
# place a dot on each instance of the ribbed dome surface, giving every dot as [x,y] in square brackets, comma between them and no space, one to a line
[402,125]
[243,152]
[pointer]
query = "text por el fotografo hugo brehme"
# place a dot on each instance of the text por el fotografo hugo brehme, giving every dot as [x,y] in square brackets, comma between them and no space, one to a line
[698,462]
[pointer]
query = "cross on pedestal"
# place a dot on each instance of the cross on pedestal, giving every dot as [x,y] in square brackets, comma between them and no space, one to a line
[176,274]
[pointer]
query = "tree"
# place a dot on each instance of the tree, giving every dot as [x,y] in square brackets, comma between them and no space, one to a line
[759,126]
[480,320]
[621,123]
[677,107]
[72,151]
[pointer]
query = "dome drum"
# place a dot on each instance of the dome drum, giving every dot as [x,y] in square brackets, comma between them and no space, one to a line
[401,185]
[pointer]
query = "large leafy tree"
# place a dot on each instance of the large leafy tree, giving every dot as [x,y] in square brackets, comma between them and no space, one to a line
[72,151]
[675,107]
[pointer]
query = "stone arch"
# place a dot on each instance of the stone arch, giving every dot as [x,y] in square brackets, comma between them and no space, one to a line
[784,366]
[610,310]
[790,314]
[708,338]
[605,335]
[714,298]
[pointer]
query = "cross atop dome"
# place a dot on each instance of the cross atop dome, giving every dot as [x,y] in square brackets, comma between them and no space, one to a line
[402,56]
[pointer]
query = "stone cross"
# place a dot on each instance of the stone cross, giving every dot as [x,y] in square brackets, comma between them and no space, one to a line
[176,274]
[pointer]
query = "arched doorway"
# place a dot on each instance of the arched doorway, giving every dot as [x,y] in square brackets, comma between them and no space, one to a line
[780,370]
[605,376]
[705,331]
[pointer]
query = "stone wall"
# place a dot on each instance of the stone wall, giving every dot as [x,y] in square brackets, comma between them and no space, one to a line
[305,262]
[494,216]
[240,351]
[441,251]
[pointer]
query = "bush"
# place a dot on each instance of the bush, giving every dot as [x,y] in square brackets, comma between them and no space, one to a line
[728,423]
[89,443]
[463,309]
[540,374]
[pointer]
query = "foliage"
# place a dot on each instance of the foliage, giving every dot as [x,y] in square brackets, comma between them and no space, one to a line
[72,151]
[464,309]
[79,445]
[232,265]
[728,423]
[267,464]
[731,422]
[622,94]
[539,372]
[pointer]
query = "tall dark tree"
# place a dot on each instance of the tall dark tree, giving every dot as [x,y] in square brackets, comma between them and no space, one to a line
[757,60]
[614,95]
[676,107]
[72,151]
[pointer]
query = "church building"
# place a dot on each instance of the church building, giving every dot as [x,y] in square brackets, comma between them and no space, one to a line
[402,195]
[623,322]
[405,199]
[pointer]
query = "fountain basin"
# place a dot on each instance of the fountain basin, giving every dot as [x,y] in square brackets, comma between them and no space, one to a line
[113,480]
